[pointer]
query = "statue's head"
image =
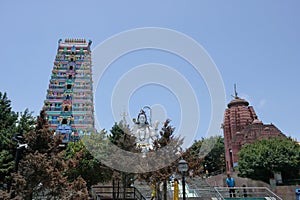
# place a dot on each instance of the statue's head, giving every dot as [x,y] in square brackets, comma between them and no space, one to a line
[142,118]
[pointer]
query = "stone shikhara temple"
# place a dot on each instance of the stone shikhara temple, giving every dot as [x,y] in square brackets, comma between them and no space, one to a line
[69,101]
[241,126]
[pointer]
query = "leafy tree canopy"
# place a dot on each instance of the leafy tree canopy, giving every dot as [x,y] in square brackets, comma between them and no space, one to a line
[213,153]
[259,160]
[83,164]
[8,120]
[10,126]
[42,171]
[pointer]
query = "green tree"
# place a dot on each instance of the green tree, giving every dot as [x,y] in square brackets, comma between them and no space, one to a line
[83,164]
[116,133]
[214,161]
[261,159]
[121,137]
[26,122]
[42,170]
[10,127]
[195,162]
[167,147]
[8,120]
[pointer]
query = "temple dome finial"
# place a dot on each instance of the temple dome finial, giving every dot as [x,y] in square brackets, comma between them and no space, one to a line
[237,101]
[235,93]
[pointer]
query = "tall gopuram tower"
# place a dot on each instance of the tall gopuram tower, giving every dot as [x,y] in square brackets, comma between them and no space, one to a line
[69,101]
[241,126]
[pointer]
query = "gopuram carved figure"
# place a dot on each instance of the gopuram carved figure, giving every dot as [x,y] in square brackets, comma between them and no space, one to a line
[144,132]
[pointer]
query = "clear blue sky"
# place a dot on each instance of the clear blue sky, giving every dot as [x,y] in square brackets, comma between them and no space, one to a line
[253,43]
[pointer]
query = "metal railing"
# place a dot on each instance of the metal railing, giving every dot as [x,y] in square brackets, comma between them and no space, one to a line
[205,193]
[249,192]
[108,192]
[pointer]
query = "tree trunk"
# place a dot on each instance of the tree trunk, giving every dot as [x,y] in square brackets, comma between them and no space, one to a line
[165,190]
[118,193]
[124,185]
[158,194]
[114,191]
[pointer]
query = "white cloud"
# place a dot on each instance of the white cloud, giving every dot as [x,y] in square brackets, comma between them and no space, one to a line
[261,103]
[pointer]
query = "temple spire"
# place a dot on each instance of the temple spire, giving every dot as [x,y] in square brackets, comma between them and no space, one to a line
[69,100]
[235,92]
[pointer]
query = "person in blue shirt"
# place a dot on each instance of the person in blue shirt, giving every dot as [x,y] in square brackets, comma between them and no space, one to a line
[231,184]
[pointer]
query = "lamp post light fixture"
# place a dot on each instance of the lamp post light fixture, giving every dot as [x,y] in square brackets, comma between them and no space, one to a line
[73,137]
[183,168]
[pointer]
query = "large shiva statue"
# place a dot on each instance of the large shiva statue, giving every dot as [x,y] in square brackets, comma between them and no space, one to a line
[144,132]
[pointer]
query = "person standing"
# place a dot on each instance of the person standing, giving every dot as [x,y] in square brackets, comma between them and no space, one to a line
[176,189]
[231,184]
[153,191]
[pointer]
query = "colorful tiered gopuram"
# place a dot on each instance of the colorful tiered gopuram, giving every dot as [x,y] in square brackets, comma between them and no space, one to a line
[69,101]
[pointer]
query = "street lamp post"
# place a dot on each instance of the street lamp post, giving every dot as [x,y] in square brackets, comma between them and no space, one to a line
[206,171]
[20,147]
[19,139]
[183,168]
